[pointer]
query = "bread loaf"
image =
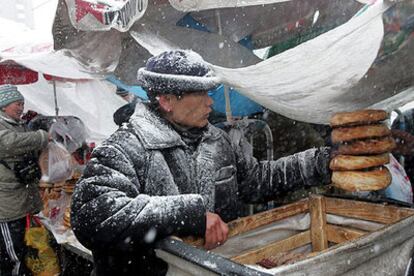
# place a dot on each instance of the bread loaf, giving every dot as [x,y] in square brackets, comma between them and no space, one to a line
[369,146]
[66,218]
[352,162]
[373,180]
[360,117]
[346,134]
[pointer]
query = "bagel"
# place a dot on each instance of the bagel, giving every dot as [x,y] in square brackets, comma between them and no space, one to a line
[346,134]
[67,214]
[45,185]
[66,217]
[351,162]
[69,190]
[359,117]
[71,181]
[353,181]
[369,146]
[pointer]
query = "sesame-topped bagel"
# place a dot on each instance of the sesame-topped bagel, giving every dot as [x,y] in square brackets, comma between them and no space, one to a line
[346,134]
[351,162]
[369,146]
[359,117]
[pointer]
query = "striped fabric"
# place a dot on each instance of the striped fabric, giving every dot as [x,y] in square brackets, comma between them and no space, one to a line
[9,94]
[10,248]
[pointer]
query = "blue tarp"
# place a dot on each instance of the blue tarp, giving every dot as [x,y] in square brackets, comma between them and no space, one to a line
[240,105]
[136,90]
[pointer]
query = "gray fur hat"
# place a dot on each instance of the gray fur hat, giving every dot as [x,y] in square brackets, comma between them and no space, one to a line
[176,72]
[9,94]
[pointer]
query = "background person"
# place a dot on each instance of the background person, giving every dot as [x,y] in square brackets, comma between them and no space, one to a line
[17,199]
[402,129]
[168,171]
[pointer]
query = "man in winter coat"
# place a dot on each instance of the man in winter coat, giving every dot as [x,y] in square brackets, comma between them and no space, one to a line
[16,199]
[168,171]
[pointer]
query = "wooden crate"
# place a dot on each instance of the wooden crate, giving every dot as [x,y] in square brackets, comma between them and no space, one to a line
[321,235]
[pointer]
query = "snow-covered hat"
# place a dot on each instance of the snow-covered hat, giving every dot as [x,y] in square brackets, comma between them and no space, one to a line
[176,72]
[9,94]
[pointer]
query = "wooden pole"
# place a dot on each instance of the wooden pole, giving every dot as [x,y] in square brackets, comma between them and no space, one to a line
[319,236]
[55,98]
[229,115]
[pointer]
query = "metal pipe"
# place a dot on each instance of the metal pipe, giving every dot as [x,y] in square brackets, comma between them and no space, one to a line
[55,98]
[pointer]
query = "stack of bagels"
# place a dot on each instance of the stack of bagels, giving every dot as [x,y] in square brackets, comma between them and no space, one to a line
[68,187]
[363,147]
[45,190]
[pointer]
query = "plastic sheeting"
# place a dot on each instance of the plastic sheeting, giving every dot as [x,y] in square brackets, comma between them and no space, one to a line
[86,96]
[59,64]
[304,82]
[105,14]
[386,251]
[282,229]
[34,51]
[93,101]
[198,5]
[265,24]
[347,68]
[309,78]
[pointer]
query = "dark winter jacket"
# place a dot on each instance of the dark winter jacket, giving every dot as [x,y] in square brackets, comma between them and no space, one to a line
[144,183]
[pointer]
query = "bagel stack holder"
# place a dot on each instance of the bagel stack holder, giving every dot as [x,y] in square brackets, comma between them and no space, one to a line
[362,144]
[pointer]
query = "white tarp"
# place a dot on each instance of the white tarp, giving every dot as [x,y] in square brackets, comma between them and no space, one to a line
[198,5]
[34,50]
[156,40]
[307,80]
[347,68]
[92,101]
[385,251]
[303,83]
[58,64]
[86,96]
[105,14]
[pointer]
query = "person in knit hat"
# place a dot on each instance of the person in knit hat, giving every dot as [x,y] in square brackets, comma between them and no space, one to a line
[12,100]
[17,198]
[168,171]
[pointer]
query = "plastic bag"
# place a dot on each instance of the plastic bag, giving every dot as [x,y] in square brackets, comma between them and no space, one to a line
[70,131]
[400,187]
[55,163]
[41,258]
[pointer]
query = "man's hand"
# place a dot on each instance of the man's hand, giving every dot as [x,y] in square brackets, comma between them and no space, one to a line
[216,231]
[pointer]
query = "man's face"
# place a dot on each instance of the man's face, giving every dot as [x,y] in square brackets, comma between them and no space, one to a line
[14,110]
[191,110]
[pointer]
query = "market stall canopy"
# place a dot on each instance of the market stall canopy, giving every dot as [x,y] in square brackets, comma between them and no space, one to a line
[34,50]
[92,101]
[333,55]
[34,67]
